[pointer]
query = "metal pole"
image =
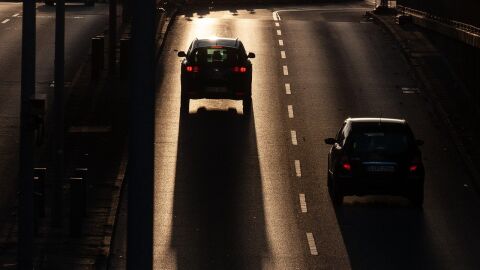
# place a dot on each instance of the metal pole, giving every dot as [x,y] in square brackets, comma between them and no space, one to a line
[112,48]
[141,132]
[25,207]
[58,132]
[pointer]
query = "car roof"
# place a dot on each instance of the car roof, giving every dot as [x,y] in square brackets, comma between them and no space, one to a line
[378,120]
[216,41]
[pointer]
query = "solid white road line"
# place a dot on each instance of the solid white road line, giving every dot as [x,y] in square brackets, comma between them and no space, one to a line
[16,15]
[277,24]
[279,32]
[311,244]
[283,54]
[290,111]
[288,91]
[303,203]
[6,20]
[293,133]
[280,42]
[298,168]
[285,70]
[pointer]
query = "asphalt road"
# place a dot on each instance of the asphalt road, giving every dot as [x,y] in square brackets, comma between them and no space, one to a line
[82,23]
[251,194]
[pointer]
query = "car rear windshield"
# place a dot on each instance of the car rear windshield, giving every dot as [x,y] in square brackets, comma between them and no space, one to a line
[216,55]
[380,139]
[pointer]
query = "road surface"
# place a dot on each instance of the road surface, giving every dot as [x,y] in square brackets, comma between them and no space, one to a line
[251,194]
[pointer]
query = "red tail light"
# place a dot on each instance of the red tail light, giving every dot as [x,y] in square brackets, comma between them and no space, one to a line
[239,69]
[346,166]
[413,168]
[414,165]
[193,69]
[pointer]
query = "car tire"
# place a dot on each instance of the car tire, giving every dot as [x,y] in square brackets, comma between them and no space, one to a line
[184,105]
[49,2]
[329,180]
[336,193]
[247,106]
[417,197]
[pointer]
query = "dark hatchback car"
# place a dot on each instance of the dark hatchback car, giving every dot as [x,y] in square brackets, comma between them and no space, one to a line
[216,68]
[373,156]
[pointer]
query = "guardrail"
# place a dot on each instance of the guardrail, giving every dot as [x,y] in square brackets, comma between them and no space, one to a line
[458,30]
[455,24]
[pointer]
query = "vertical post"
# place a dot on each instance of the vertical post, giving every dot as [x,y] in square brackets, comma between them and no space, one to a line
[83,174]
[98,51]
[58,132]
[112,48]
[141,130]
[77,206]
[125,54]
[25,207]
[39,187]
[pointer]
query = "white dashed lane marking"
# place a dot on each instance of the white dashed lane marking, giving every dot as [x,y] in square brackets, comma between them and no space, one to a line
[280,42]
[303,203]
[311,244]
[288,91]
[290,111]
[277,24]
[293,134]
[285,70]
[298,168]
[279,32]
[283,54]
[16,15]
[5,21]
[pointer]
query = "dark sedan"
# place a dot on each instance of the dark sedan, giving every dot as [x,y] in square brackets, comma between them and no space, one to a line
[375,156]
[216,68]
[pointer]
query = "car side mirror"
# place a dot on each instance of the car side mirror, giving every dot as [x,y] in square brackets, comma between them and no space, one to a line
[251,55]
[419,142]
[181,54]
[330,141]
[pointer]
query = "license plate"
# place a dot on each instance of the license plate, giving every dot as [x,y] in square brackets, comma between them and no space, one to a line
[379,168]
[216,89]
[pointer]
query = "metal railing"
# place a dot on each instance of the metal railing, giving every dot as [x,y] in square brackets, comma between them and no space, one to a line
[449,22]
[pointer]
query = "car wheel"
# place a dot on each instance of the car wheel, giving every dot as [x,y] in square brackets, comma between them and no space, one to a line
[329,180]
[184,105]
[247,106]
[336,193]
[417,197]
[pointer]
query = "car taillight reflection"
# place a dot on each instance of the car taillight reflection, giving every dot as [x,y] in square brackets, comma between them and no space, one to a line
[239,69]
[193,69]
[413,168]
[415,164]
[346,166]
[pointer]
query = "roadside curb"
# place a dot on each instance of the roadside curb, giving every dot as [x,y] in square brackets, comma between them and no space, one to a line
[433,99]
[162,31]
[105,250]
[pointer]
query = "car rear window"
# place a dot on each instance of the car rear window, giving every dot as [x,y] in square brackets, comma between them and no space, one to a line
[392,140]
[215,55]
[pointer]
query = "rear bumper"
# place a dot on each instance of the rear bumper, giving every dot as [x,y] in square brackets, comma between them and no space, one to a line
[237,92]
[237,89]
[200,95]
[379,186]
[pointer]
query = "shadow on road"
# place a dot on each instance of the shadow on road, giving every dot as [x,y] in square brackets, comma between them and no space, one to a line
[386,236]
[218,217]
